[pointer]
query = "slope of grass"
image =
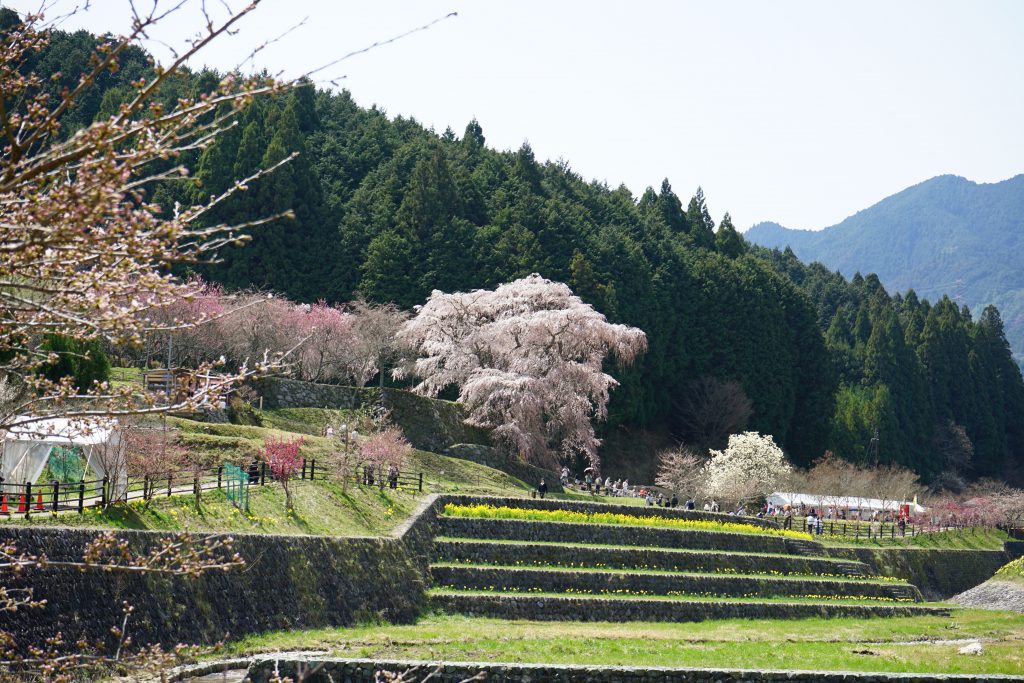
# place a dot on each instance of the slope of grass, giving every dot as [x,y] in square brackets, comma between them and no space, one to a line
[978,538]
[911,644]
[321,508]
[442,474]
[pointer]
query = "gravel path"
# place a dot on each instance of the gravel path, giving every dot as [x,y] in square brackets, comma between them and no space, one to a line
[993,594]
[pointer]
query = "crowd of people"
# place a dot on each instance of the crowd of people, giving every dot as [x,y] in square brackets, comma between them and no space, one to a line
[607,486]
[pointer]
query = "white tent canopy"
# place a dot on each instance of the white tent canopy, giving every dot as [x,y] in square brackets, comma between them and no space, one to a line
[812,500]
[26,448]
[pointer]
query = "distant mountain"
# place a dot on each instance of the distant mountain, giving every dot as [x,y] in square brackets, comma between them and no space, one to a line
[947,235]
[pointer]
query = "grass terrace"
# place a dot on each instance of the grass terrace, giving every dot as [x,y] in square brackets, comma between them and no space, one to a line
[573,517]
[908,644]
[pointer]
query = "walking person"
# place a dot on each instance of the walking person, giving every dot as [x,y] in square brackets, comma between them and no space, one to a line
[542,488]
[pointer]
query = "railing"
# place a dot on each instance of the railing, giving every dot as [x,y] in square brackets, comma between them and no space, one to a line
[857,529]
[56,496]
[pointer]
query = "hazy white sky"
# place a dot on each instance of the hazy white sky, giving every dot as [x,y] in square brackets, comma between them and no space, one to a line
[801,112]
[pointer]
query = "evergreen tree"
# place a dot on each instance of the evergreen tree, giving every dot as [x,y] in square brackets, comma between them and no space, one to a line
[728,240]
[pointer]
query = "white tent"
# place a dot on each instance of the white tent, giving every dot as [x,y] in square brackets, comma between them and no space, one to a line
[811,500]
[26,449]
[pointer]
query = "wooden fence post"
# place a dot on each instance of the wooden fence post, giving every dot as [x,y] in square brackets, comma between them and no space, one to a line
[103,494]
[421,482]
[312,469]
[56,494]
[81,496]
[303,475]
[220,473]
[28,499]
[170,479]
[263,474]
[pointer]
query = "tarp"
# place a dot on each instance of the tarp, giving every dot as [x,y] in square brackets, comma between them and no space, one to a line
[26,449]
[812,500]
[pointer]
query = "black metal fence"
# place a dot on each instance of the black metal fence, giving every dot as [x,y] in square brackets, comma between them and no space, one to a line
[56,496]
[857,529]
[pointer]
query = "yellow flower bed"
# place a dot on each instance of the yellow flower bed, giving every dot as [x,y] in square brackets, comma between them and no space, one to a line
[1014,569]
[494,512]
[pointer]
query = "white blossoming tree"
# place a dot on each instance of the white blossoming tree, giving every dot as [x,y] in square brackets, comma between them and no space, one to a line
[750,467]
[527,358]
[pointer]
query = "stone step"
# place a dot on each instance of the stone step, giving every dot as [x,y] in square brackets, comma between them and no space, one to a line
[581,581]
[611,534]
[482,551]
[587,608]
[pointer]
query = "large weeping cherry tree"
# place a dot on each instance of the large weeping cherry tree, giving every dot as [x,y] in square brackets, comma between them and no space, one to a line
[527,359]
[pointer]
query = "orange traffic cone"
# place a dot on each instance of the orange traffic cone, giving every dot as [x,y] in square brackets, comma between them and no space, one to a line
[3,505]
[39,501]
[21,503]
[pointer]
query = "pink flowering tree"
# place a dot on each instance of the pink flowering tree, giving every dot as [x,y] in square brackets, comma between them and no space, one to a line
[385,449]
[326,350]
[528,360]
[85,251]
[284,460]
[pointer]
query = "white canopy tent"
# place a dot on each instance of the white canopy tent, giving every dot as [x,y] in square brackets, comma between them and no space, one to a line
[26,449]
[812,500]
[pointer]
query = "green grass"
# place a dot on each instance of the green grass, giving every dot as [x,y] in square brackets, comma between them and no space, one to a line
[979,538]
[442,474]
[817,644]
[486,511]
[838,560]
[321,508]
[313,420]
[666,572]
[686,597]
[592,498]
[120,377]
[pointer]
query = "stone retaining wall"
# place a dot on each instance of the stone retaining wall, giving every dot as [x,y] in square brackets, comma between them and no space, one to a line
[288,582]
[643,583]
[364,671]
[939,573]
[640,558]
[608,534]
[545,608]
[429,424]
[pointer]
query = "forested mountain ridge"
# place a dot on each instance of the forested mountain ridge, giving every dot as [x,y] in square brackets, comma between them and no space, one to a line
[393,210]
[945,235]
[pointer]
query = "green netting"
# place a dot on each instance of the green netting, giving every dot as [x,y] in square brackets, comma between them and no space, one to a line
[236,485]
[66,465]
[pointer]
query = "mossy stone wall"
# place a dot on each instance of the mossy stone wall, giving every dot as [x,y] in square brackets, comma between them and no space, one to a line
[429,424]
[939,574]
[364,670]
[526,554]
[608,534]
[288,582]
[646,583]
[544,608]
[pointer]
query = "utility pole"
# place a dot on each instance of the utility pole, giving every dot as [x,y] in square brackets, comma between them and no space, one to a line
[873,448]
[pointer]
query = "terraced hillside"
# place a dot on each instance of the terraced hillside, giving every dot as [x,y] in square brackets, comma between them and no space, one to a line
[554,560]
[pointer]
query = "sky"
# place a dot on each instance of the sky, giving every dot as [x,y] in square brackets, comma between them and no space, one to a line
[799,112]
